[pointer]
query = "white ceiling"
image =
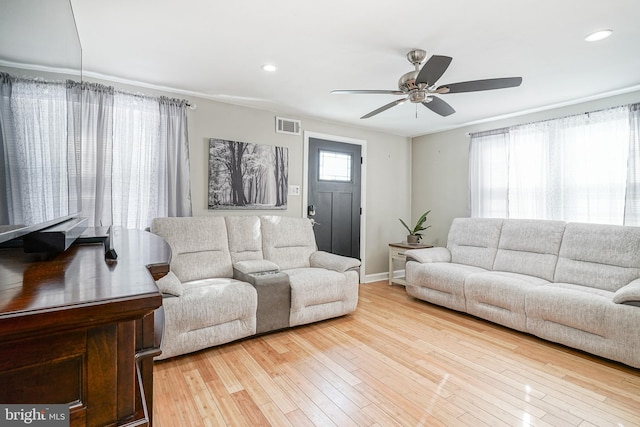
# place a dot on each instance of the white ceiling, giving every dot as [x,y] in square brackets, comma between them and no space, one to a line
[215,49]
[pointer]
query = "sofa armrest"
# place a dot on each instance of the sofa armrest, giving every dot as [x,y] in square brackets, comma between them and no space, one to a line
[170,285]
[628,294]
[428,255]
[333,262]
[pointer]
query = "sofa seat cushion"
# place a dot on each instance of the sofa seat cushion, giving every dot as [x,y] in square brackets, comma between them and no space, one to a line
[210,302]
[441,283]
[500,296]
[579,307]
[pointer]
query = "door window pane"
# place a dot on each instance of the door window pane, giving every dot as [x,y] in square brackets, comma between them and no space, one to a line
[334,166]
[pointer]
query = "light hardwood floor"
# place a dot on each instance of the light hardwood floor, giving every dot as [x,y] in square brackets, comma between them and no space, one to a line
[396,361]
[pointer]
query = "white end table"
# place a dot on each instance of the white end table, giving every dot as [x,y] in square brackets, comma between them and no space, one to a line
[396,255]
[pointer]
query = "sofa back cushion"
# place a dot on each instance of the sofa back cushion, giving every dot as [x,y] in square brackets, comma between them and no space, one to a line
[199,246]
[245,238]
[599,256]
[287,241]
[529,247]
[474,241]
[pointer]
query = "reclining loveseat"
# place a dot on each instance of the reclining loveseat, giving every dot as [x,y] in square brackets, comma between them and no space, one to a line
[236,276]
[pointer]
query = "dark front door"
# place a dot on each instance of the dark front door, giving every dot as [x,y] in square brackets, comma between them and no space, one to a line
[334,195]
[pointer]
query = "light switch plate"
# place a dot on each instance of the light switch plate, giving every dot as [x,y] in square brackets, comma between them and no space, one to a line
[294,190]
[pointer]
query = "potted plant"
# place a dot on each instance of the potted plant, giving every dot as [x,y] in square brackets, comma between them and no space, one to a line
[415,233]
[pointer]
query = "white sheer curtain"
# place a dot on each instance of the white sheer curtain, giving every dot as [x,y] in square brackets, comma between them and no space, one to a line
[34,124]
[97,149]
[489,174]
[137,170]
[572,168]
[135,158]
[632,200]
[174,135]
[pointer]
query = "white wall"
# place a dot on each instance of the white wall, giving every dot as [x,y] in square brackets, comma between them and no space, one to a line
[388,195]
[440,164]
[388,168]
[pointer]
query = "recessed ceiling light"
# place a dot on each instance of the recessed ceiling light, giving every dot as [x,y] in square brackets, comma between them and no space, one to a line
[598,35]
[269,67]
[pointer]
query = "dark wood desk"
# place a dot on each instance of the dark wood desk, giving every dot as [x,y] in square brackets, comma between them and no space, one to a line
[77,329]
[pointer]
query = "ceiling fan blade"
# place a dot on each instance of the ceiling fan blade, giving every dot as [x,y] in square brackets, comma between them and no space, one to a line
[438,106]
[385,107]
[367,92]
[433,69]
[477,85]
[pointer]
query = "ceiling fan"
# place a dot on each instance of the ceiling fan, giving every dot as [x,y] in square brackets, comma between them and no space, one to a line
[419,85]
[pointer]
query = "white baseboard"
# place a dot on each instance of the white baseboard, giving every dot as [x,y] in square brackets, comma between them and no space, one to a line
[369,278]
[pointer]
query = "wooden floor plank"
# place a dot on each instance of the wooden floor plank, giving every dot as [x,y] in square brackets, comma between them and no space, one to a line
[206,402]
[396,361]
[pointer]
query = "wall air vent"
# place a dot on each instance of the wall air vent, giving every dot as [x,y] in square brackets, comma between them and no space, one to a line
[292,127]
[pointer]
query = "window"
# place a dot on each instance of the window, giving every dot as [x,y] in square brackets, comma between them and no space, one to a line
[334,166]
[574,168]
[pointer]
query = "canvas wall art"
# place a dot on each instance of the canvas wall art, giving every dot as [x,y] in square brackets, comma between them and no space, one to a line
[243,175]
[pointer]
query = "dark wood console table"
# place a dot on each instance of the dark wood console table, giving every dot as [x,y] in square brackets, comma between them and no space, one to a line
[79,330]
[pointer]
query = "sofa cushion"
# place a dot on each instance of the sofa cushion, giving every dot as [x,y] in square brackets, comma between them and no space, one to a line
[287,241]
[529,247]
[245,237]
[209,312]
[474,241]
[580,307]
[599,256]
[199,246]
[439,282]
[500,296]
[210,302]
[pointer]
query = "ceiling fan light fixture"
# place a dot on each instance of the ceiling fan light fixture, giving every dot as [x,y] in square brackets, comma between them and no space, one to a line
[418,96]
[598,35]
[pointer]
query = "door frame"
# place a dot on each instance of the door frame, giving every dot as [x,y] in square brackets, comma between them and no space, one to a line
[363,183]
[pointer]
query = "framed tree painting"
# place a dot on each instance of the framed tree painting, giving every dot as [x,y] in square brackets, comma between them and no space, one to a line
[247,176]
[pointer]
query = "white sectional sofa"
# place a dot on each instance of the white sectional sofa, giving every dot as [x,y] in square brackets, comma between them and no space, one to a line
[570,283]
[235,276]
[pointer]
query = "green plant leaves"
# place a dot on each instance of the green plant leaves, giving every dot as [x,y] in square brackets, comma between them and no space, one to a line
[419,225]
